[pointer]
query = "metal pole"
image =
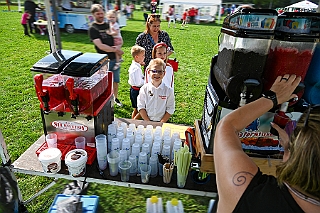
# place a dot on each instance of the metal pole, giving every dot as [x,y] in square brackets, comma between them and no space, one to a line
[318,9]
[56,26]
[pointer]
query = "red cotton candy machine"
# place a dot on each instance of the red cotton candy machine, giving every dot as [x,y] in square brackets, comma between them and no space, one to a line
[76,99]
[291,51]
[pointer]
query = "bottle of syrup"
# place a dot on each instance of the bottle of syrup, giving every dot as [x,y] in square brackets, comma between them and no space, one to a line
[280,118]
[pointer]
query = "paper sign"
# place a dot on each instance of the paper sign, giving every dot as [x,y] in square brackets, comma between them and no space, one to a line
[176,128]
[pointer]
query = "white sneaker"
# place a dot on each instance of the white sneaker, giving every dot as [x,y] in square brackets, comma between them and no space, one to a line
[42,33]
[116,100]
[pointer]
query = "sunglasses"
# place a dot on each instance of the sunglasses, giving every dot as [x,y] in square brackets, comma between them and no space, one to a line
[317,106]
[157,71]
[155,16]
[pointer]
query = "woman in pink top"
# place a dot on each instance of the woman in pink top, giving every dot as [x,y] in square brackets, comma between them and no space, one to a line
[24,21]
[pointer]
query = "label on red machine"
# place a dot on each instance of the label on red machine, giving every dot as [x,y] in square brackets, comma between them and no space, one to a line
[69,126]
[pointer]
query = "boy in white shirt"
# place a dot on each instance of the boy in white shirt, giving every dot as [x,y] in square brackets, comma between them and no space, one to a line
[156,100]
[136,77]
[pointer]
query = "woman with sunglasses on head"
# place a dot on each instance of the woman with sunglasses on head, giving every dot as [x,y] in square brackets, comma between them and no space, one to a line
[155,101]
[160,50]
[153,35]
[241,185]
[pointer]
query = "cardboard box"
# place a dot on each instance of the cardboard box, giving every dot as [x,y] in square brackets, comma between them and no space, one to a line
[266,165]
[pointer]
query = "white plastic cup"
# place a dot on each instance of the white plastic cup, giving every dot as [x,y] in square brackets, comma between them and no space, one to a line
[166,151]
[120,136]
[124,167]
[174,136]
[123,155]
[124,127]
[113,160]
[156,148]
[154,166]
[115,144]
[157,139]
[80,142]
[126,146]
[139,139]
[133,169]
[135,150]
[112,133]
[146,148]
[133,128]
[101,145]
[145,173]
[50,160]
[76,160]
[143,160]
[52,140]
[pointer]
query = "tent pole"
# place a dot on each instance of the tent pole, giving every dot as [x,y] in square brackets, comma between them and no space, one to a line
[318,9]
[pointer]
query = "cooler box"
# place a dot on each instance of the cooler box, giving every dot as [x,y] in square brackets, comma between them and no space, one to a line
[89,203]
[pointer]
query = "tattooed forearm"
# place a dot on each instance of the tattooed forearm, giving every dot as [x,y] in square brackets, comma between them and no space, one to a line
[240,178]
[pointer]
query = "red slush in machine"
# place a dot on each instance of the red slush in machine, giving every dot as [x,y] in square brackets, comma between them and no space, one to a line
[76,97]
[291,52]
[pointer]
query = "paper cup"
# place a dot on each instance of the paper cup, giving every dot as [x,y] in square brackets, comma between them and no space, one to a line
[76,160]
[51,140]
[50,160]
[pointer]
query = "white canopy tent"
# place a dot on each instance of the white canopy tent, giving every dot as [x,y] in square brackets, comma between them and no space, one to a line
[206,7]
[308,5]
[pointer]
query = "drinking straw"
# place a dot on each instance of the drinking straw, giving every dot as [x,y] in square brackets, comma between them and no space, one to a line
[167,172]
[182,159]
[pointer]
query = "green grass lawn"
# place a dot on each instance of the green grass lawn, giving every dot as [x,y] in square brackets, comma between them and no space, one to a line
[19,107]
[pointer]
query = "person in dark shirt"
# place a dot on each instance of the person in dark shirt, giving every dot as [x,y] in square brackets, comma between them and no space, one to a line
[104,44]
[31,7]
[241,185]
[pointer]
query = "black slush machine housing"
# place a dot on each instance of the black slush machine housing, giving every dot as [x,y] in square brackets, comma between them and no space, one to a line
[75,93]
[236,78]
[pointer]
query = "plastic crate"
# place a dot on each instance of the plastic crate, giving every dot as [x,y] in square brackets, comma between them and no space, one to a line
[89,203]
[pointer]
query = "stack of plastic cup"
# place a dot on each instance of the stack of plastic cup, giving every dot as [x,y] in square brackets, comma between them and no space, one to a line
[123,155]
[101,146]
[153,162]
[148,140]
[126,146]
[133,128]
[143,160]
[115,144]
[146,148]
[133,169]
[124,126]
[166,151]
[139,139]
[174,136]
[156,149]
[112,133]
[135,150]
[130,136]
[120,136]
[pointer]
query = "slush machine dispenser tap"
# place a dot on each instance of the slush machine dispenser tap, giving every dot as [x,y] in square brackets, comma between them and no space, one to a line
[247,92]
[73,97]
[43,94]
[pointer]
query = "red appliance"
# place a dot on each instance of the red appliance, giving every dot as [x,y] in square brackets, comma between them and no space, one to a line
[76,99]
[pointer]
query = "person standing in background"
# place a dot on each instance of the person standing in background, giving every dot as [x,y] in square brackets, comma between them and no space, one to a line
[24,21]
[30,6]
[104,44]
[132,7]
[153,35]
[128,9]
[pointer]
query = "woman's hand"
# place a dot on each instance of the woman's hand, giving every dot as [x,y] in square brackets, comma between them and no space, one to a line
[284,87]
[284,140]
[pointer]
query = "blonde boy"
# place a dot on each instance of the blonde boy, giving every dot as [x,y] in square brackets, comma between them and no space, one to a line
[136,77]
[156,100]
